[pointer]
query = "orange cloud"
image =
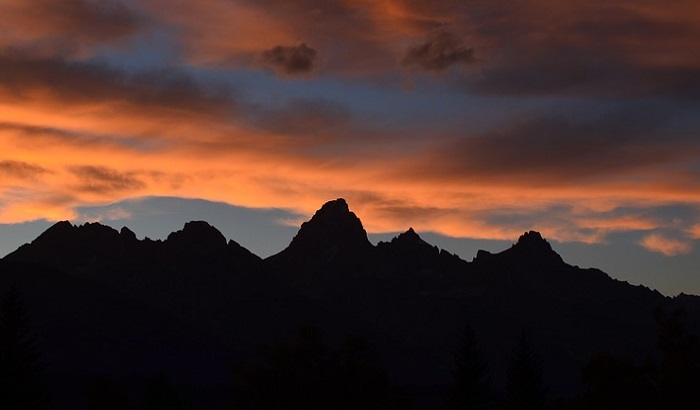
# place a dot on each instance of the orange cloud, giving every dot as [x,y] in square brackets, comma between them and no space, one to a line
[106,149]
[694,231]
[665,245]
[20,170]
[105,172]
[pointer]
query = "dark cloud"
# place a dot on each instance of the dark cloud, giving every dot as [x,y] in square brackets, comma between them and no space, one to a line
[441,51]
[388,206]
[357,38]
[404,210]
[34,130]
[89,20]
[34,134]
[609,50]
[556,150]
[21,170]
[102,180]
[150,92]
[290,60]
[69,27]
[563,72]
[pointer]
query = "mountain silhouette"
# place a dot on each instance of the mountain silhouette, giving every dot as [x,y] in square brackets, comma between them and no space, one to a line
[333,236]
[531,248]
[112,303]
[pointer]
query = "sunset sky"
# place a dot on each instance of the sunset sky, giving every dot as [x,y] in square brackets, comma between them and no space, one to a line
[470,121]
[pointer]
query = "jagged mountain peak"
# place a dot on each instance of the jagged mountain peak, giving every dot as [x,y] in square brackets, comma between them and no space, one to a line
[336,206]
[332,224]
[334,214]
[201,230]
[60,226]
[333,235]
[197,237]
[410,238]
[410,233]
[531,246]
[128,234]
[68,244]
[408,252]
[533,239]
[64,231]
[55,232]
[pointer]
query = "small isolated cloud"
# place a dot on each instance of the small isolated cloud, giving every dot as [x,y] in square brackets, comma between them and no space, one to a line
[20,170]
[290,60]
[441,51]
[665,245]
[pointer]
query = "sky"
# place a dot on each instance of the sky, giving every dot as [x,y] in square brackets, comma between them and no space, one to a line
[470,121]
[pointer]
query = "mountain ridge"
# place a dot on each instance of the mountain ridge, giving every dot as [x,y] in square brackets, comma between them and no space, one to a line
[333,225]
[409,297]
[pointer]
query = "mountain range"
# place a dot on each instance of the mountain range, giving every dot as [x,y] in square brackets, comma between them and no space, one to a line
[106,303]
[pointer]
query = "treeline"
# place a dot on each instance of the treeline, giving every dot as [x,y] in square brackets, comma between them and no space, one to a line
[524,388]
[305,373]
[667,379]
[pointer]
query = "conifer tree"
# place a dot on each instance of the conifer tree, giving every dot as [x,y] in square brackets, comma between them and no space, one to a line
[524,388]
[472,390]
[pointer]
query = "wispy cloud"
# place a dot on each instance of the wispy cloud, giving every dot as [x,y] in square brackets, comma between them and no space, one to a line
[21,170]
[666,245]
[103,180]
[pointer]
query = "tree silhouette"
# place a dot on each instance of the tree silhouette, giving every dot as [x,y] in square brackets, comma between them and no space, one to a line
[21,370]
[472,389]
[670,383]
[524,387]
